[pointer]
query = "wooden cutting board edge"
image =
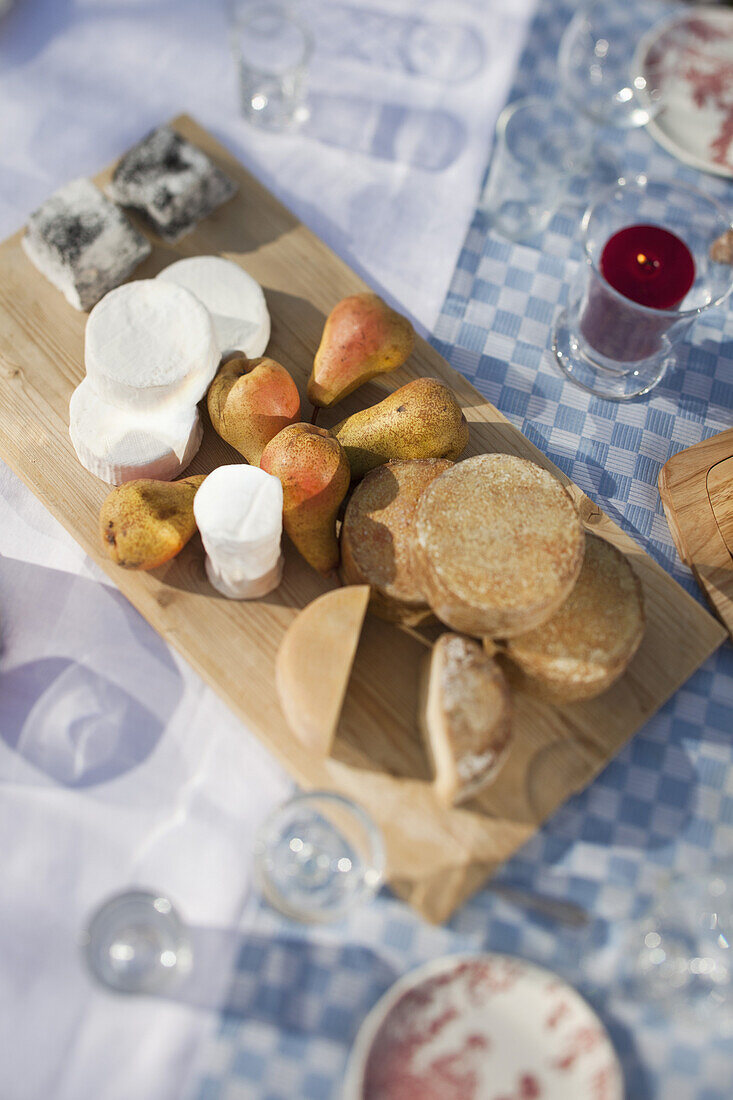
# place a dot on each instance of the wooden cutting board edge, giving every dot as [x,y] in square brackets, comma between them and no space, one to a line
[683,487]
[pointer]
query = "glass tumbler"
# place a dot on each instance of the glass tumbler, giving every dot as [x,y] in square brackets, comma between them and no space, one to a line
[535,153]
[604,341]
[137,943]
[318,856]
[272,48]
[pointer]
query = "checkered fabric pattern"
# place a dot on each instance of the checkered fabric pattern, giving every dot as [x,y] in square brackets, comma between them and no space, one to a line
[665,803]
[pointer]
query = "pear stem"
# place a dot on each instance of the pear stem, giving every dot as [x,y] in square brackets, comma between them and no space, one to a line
[315,414]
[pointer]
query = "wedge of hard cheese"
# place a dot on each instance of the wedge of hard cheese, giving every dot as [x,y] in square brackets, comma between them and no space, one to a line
[377,534]
[466,716]
[498,545]
[589,642]
[314,664]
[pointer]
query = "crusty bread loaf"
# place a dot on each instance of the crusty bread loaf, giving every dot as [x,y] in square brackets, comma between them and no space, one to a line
[465,716]
[377,533]
[498,545]
[589,642]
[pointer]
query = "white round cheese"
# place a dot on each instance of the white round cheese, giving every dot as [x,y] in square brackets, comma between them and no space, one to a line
[233,298]
[238,511]
[117,446]
[149,344]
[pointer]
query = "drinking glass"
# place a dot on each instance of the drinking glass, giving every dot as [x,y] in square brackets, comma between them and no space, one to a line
[680,954]
[272,48]
[599,73]
[137,943]
[317,856]
[607,343]
[535,152]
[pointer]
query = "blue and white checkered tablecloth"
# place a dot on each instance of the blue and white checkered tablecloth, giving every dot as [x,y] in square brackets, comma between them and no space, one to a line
[666,802]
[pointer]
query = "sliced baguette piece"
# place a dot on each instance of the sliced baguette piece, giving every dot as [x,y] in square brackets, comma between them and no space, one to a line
[466,716]
[588,644]
[377,533]
[314,663]
[498,545]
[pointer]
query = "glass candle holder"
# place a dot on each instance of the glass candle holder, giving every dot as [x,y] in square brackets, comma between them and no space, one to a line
[608,343]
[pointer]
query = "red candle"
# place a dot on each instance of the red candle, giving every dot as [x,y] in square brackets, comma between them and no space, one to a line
[648,264]
[652,268]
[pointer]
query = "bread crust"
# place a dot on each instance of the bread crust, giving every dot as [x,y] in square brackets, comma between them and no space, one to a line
[588,644]
[466,717]
[498,545]
[377,533]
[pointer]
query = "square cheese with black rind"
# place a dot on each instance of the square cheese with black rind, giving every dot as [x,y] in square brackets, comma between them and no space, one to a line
[83,243]
[171,182]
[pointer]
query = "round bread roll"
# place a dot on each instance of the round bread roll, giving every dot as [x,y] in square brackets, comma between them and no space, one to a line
[377,531]
[498,545]
[589,642]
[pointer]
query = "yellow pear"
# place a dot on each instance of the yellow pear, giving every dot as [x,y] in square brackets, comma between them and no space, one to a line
[146,523]
[250,401]
[314,473]
[420,420]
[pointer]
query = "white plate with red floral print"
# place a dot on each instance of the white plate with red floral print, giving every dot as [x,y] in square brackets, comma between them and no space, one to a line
[482,1027]
[689,59]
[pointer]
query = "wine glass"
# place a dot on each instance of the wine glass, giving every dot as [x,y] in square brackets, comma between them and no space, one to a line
[599,73]
[679,955]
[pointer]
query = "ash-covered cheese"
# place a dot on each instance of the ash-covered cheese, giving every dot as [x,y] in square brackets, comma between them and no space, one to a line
[172,182]
[83,243]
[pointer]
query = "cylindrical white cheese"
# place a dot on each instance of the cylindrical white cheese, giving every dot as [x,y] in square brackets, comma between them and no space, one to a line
[238,511]
[150,344]
[233,298]
[117,445]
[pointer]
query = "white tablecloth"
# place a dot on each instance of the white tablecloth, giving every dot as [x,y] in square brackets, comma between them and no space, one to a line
[117,765]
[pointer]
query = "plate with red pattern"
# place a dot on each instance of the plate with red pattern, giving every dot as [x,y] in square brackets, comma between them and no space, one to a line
[482,1027]
[689,59]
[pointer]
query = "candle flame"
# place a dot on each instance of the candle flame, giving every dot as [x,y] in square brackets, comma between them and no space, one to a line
[646,261]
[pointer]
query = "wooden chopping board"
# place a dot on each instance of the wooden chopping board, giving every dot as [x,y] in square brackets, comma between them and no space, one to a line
[436,858]
[696,487]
